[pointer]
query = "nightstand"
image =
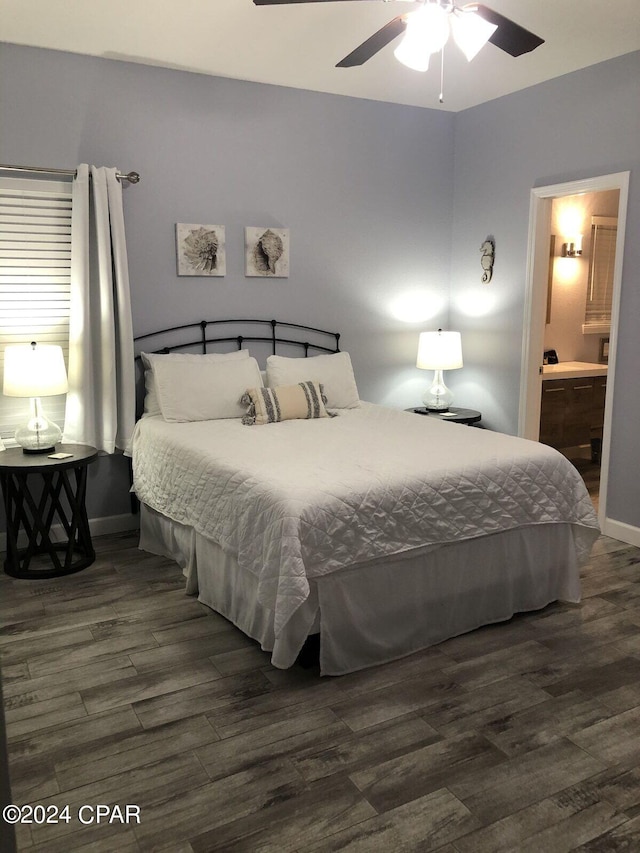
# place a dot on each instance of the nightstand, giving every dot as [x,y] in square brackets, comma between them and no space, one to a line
[457,416]
[36,490]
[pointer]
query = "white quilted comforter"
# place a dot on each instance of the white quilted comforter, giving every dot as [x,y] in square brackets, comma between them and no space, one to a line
[300,499]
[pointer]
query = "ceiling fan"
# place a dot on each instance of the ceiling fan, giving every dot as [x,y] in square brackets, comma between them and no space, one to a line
[427,30]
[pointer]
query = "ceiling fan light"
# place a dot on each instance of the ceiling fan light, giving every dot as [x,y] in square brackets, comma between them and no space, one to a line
[427,32]
[411,52]
[471,32]
[431,25]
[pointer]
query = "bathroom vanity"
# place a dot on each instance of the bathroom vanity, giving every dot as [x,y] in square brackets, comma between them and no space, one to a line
[572,408]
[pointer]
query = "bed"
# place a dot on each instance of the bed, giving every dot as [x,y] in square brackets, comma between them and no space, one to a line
[379,531]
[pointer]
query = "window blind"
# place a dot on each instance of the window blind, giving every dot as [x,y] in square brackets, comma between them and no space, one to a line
[604,232]
[35,276]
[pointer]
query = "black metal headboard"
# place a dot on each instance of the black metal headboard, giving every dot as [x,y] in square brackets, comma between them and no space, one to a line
[274,338]
[238,332]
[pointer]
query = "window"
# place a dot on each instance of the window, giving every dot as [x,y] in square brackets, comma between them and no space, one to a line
[35,276]
[604,232]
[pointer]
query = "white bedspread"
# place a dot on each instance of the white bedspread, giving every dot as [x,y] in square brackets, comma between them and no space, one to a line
[301,499]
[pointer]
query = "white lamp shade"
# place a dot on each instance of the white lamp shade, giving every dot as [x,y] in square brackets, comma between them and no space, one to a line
[34,370]
[471,32]
[439,350]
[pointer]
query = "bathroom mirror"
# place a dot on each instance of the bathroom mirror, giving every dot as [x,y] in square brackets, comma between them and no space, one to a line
[604,232]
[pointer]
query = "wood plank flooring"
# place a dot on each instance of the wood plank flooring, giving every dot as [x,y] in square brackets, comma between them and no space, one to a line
[580,458]
[120,689]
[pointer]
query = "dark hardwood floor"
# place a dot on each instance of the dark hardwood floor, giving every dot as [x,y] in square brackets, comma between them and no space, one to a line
[120,689]
[580,458]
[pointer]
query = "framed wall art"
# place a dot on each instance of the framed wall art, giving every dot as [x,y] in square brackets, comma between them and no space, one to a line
[200,249]
[266,252]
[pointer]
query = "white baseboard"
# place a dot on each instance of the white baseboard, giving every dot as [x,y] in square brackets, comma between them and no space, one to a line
[97,526]
[114,524]
[621,531]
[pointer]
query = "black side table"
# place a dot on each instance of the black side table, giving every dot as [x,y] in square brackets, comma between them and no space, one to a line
[34,511]
[458,416]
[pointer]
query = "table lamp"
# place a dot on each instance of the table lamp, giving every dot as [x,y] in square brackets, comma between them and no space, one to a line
[34,371]
[439,351]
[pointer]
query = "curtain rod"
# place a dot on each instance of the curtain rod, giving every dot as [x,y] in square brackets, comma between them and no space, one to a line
[132,177]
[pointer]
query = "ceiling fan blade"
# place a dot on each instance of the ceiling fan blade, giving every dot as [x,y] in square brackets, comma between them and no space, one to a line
[289,2]
[510,37]
[375,43]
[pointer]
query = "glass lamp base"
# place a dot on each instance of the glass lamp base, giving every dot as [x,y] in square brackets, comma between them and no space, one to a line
[38,435]
[38,450]
[438,398]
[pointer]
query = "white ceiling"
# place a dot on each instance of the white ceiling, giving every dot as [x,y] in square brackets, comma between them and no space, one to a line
[299,45]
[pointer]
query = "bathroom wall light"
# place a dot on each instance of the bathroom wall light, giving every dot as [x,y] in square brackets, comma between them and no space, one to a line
[572,248]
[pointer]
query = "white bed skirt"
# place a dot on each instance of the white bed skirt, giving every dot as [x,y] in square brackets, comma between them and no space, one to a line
[379,611]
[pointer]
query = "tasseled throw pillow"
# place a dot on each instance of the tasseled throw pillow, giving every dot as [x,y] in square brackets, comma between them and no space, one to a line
[283,403]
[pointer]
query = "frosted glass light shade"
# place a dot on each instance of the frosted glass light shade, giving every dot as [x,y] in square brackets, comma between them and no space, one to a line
[34,370]
[410,52]
[471,32]
[427,33]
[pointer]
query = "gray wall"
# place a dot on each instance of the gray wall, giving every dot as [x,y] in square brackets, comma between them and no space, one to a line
[365,188]
[386,206]
[578,126]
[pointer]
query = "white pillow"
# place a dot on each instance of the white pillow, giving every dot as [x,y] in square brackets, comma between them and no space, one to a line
[333,371]
[151,403]
[205,390]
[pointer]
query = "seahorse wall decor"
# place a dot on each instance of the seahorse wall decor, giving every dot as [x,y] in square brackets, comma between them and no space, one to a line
[488,251]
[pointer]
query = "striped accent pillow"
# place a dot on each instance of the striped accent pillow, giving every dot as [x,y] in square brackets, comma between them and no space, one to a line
[285,402]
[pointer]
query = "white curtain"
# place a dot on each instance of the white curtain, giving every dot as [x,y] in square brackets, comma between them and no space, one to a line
[100,407]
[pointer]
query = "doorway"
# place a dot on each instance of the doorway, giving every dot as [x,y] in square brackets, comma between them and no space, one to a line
[536,308]
[577,327]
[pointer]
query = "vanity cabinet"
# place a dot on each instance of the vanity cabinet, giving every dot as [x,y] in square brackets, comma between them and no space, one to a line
[572,412]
